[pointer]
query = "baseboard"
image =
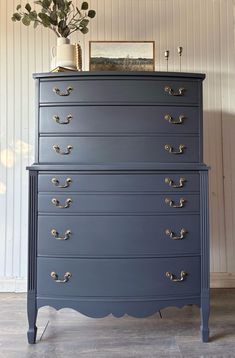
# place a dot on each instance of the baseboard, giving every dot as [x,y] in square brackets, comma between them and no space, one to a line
[222,280]
[13,284]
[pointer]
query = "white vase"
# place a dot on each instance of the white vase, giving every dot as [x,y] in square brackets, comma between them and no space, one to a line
[64,54]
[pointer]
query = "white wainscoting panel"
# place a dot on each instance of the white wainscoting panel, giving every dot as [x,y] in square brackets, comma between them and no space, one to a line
[205,29]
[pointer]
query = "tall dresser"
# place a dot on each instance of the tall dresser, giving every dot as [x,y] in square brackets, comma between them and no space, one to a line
[118,195]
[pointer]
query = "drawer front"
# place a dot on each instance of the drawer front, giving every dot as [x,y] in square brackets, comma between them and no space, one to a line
[118,235]
[118,277]
[117,203]
[118,149]
[119,91]
[167,182]
[119,119]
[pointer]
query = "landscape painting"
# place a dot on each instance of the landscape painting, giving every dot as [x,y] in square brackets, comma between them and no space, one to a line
[122,56]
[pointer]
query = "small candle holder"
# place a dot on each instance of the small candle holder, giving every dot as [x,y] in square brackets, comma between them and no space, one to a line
[180,51]
[167,54]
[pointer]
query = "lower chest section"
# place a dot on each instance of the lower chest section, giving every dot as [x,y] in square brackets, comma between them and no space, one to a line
[118,234]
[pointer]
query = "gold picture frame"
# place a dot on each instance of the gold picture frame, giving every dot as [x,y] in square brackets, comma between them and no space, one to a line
[122,56]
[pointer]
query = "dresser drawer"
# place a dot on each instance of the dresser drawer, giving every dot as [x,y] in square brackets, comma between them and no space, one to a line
[167,182]
[110,149]
[119,119]
[117,203]
[117,277]
[120,91]
[118,235]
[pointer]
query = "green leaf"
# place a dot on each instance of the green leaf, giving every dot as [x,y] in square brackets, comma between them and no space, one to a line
[45,19]
[73,27]
[28,7]
[61,14]
[67,5]
[16,17]
[91,13]
[84,30]
[62,26]
[33,15]
[60,4]
[84,23]
[26,20]
[46,4]
[35,25]
[84,5]
[66,32]
[18,7]
[54,18]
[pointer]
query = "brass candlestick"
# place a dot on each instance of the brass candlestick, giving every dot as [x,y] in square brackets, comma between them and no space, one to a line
[167,54]
[180,50]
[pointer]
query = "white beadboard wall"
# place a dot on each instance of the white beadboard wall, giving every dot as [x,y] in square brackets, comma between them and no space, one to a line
[205,29]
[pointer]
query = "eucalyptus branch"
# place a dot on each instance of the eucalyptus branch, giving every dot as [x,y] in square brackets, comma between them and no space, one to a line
[74,30]
[62,17]
[73,18]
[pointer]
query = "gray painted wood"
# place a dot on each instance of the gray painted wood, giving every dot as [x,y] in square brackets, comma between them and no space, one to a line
[115,278]
[117,203]
[112,75]
[118,91]
[87,149]
[32,252]
[118,119]
[118,182]
[118,235]
[117,252]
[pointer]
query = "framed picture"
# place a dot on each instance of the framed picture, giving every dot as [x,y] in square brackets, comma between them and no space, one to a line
[122,56]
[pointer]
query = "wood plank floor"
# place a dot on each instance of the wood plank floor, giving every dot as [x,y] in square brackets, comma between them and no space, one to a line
[66,333]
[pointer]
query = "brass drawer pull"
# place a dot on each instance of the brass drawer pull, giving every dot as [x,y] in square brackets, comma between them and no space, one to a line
[171,183]
[57,149]
[172,205]
[63,94]
[171,92]
[67,121]
[171,150]
[66,236]
[172,235]
[56,182]
[173,278]
[170,119]
[67,276]
[57,203]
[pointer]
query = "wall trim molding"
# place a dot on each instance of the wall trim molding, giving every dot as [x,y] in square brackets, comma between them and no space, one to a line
[13,284]
[222,280]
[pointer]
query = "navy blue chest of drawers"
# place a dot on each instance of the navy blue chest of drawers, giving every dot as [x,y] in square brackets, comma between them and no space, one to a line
[118,195]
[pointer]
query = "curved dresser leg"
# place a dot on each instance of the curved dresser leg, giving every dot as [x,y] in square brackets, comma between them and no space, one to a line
[32,318]
[205,312]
